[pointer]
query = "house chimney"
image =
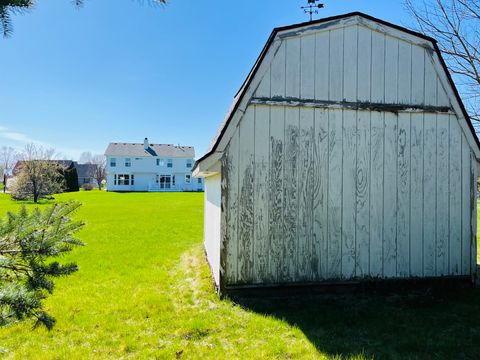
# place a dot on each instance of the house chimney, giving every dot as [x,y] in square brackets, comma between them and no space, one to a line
[145,144]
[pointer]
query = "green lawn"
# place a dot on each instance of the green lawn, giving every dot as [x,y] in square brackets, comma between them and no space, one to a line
[144,291]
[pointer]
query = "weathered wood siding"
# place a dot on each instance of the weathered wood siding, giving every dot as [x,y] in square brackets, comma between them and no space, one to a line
[320,181]
[343,194]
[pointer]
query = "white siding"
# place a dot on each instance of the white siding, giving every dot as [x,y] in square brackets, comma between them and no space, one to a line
[145,170]
[212,224]
[353,64]
[386,212]
[348,161]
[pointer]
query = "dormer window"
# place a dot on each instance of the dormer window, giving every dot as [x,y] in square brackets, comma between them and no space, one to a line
[128,162]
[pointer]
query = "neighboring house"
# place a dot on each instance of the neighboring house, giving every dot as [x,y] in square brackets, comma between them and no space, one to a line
[347,155]
[85,174]
[150,167]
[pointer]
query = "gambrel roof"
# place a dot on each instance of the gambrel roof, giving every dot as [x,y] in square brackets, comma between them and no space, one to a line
[253,80]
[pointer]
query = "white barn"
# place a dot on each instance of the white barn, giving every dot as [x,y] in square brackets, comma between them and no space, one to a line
[150,167]
[347,155]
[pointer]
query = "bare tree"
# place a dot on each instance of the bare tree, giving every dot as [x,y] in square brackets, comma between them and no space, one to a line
[98,171]
[455,24]
[39,175]
[7,161]
[85,158]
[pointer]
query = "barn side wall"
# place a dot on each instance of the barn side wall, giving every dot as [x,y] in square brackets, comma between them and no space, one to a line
[318,194]
[349,162]
[212,200]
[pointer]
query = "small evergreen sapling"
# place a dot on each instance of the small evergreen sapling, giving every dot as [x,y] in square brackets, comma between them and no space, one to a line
[28,242]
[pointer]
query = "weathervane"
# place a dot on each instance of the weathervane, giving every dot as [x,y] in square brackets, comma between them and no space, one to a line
[312,8]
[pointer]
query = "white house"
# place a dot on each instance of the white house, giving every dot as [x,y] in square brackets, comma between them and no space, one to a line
[347,155]
[150,167]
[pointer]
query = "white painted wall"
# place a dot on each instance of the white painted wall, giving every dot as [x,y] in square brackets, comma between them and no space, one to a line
[145,170]
[212,224]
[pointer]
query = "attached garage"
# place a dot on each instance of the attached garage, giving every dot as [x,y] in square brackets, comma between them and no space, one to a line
[347,155]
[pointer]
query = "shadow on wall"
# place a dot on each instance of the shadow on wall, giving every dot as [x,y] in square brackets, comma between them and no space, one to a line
[427,324]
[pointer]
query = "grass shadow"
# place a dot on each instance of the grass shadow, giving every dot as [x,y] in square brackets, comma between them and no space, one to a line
[429,324]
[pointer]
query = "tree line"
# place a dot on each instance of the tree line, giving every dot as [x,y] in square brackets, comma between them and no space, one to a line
[38,175]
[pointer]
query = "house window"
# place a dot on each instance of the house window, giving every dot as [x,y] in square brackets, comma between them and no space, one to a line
[169,163]
[199,180]
[189,163]
[165,182]
[187,179]
[173,180]
[128,162]
[160,162]
[115,179]
[113,162]
[124,179]
[133,178]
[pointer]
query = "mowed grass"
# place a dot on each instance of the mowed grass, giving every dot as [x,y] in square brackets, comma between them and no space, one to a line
[144,291]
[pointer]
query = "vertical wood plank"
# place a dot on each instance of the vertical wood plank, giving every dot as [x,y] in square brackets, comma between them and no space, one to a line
[349,193]
[350,63]
[307,79]
[336,65]
[364,64]
[321,168]
[455,193]
[230,209]
[429,195]
[308,255]
[404,72]
[334,254]
[277,76]
[466,210]
[376,193]
[442,97]
[322,65]
[378,67]
[391,70]
[275,192]
[245,200]
[403,196]
[362,236]
[260,189]
[473,214]
[390,197]
[416,195]
[263,89]
[442,207]
[430,81]
[418,75]
[290,194]
[292,67]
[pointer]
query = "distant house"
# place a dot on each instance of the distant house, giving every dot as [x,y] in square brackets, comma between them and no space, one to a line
[150,167]
[85,174]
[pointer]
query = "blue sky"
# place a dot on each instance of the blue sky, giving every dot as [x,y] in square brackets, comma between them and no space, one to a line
[116,70]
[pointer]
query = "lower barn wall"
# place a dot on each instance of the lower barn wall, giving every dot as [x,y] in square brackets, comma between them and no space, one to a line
[212,224]
[318,194]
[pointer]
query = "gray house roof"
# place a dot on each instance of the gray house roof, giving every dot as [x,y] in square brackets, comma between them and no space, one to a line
[84,170]
[162,150]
